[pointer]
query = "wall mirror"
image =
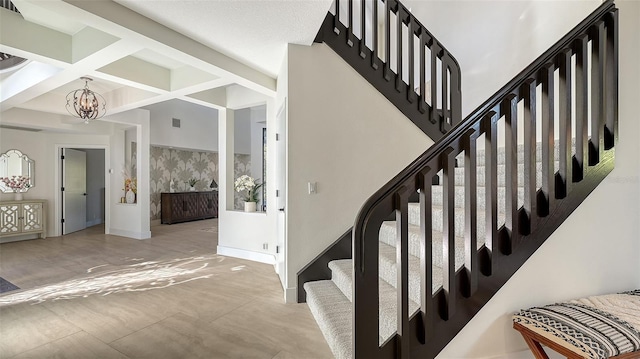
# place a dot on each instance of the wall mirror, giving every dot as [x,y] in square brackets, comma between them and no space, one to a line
[15,163]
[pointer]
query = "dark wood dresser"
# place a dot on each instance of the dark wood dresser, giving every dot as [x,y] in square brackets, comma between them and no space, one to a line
[188,206]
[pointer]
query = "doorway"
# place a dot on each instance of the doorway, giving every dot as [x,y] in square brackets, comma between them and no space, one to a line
[82,190]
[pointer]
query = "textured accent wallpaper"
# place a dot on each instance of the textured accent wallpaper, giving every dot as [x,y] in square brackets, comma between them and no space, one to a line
[181,165]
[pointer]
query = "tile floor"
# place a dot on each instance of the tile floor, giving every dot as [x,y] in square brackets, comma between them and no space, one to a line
[91,295]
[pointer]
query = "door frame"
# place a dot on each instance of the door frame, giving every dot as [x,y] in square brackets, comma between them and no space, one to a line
[57,174]
[281,174]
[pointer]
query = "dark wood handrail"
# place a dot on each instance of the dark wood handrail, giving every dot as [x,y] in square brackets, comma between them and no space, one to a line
[434,114]
[526,228]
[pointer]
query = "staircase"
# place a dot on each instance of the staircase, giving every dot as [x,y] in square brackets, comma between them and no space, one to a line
[434,244]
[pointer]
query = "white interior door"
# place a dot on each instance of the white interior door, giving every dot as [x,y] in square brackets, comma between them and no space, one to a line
[281,185]
[74,194]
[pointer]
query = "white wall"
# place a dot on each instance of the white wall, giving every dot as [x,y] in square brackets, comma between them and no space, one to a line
[107,133]
[344,135]
[130,220]
[198,125]
[41,147]
[245,235]
[494,40]
[596,250]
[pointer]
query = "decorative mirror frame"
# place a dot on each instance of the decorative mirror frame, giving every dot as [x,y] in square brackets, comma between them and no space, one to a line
[4,168]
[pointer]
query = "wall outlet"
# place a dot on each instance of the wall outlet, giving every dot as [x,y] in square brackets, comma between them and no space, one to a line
[265,246]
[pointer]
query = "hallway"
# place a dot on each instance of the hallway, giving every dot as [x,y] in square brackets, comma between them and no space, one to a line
[91,295]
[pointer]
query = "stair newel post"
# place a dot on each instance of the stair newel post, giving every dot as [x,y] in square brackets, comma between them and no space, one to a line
[547,198]
[366,291]
[402,262]
[490,124]
[510,111]
[387,41]
[374,34]
[435,50]
[470,212]
[563,182]
[611,89]
[448,233]
[582,93]
[427,305]
[597,93]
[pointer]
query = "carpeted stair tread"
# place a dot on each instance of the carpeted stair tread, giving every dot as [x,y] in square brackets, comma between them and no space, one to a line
[332,310]
[437,196]
[388,237]
[342,276]
[333,313]
[501,154]
[387,268]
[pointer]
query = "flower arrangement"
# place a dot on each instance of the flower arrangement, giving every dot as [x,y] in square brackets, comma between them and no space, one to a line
[16,183]
[130,183]
[249,184]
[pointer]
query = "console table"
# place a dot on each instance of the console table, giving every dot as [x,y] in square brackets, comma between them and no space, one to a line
[23,217]
[188,206]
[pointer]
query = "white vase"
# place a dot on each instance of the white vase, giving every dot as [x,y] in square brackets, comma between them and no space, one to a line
[192,189]
[17,196]
[250,206]
[130,197]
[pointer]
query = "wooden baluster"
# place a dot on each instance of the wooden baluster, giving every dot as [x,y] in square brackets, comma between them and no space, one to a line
[336,19]
[435,50]
[427,305]
[411,93]
[363,28]
[402,272]
[374,34]
[563,179]
[456,96]
[350,27]
[582,93]
[611,89]
[470,212]
[399,22]
[528,94]
[597,93]
[548,148]
[423,72]
[490,123]
[445,123]
[510,112]
[387,41]
[448,234]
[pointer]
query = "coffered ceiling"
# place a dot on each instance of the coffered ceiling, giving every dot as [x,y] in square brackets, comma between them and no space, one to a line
[141,52]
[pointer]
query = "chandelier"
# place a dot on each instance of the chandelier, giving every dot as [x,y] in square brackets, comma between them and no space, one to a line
[86,104]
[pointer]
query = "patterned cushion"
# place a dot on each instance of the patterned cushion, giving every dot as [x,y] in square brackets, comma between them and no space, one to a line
[595,327]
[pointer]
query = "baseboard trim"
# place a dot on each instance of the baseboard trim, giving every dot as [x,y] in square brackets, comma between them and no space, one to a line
[245,254]
[130,234]
[95,222]
[291,295]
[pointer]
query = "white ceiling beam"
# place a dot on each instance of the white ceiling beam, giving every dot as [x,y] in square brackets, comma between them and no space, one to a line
[169,42]
[19,37]
[139,71]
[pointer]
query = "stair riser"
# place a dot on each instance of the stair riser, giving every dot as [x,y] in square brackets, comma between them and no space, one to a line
[501,173]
